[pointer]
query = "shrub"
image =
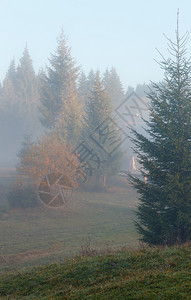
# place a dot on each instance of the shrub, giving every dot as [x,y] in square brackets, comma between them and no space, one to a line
[22,196]
[4,206]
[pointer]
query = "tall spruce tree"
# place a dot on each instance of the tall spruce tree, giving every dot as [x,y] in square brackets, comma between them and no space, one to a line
[26,89]
[18,103]
[85,86]
[11,73]
[83,90]
[26,83]
[58,86]
[69,121]
[130,90]
[142,90]
[164,210]
[113,86]
[8,98]
[98,110]
[91,80]
[98,106]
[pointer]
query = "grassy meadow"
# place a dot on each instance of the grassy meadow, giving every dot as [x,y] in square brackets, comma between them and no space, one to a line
[154,273]
[88,250]
[90,222]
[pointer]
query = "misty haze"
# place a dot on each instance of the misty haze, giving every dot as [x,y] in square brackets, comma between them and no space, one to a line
[95,160]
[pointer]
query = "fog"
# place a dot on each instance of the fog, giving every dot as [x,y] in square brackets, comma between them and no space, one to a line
[18,119]
[75,83]
[41,127]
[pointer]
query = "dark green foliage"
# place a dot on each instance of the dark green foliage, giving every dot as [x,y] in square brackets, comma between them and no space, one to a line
[22,196]
[164,211]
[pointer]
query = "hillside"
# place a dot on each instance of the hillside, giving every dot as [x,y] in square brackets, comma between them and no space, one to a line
[36,236]
[143,274]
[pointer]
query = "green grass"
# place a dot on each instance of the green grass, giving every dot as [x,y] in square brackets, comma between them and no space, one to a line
[142,274]
[38,236]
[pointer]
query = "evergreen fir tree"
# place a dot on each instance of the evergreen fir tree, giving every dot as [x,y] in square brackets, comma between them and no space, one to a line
[83,90]
[130,90]
[113,86]
[164,210]
[99,109]
[26,85]
[26,88]
[142,90]
[18,105]
[11,120]
[8,98]
[25,147]
[85,86]
[69,120]
[90,80]
[59,81]
[98,106]
[11,73]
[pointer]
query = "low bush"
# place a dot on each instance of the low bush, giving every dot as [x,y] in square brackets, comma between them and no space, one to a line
[22,196]
[4,206]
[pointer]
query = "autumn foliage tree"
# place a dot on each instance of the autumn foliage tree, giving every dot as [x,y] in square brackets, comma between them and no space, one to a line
[50,154]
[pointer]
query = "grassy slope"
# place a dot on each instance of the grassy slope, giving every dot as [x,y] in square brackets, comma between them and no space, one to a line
[143,274]
[37,236]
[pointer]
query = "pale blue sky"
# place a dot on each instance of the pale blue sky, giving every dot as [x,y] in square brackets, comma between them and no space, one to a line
[102,33]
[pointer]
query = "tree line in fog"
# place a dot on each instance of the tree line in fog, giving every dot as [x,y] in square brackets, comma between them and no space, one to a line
[57,98]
